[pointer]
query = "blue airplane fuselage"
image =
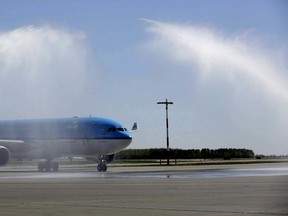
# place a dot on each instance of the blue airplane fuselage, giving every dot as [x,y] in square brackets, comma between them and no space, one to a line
[51,138]
[62,128]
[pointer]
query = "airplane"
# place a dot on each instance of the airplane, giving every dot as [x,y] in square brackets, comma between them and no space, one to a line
[94,138]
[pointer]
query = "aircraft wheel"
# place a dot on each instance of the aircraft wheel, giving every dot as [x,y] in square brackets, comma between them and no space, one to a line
[55,166]
[102,167]
[99,168]
[41,166]
[47,166]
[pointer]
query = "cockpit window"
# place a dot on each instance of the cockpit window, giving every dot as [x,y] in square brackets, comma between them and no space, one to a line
[113,129]
[120,129]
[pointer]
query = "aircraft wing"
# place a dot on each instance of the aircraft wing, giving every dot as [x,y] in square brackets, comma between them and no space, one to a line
[11,142]
[18,145]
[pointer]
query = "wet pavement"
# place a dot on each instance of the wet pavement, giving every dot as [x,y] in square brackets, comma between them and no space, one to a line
[185,190]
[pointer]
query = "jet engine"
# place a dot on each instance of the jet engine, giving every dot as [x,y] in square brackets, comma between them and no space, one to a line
[4,156]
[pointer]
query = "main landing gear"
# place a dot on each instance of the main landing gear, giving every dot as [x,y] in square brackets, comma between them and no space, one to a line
[48,166]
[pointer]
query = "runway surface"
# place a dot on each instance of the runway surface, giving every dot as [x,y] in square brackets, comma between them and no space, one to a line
[184,190]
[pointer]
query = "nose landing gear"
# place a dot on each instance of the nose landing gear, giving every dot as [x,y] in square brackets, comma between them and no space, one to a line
[48,166]
[102,167]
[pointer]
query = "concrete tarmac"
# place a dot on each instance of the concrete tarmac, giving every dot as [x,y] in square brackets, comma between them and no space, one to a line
[229,190]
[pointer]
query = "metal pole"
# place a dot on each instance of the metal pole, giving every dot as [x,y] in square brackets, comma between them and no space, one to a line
[167,132]
[167,129]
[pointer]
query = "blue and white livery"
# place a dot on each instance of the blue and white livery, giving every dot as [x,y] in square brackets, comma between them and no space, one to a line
[96,139]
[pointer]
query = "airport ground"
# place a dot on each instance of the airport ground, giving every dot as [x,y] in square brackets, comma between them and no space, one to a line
[231,189]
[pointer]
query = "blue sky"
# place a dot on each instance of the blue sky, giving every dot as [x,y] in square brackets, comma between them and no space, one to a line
[222,63]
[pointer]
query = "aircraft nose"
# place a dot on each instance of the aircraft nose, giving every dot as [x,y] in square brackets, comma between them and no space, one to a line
[127,136]
[126,139]
[124,135]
